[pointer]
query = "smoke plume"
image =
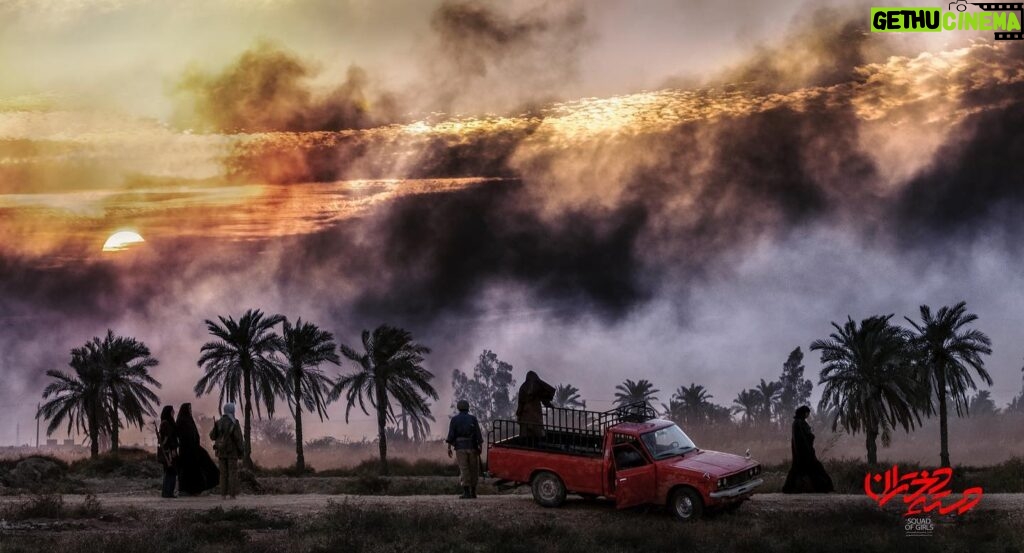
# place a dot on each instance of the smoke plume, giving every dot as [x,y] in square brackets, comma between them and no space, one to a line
[679,235]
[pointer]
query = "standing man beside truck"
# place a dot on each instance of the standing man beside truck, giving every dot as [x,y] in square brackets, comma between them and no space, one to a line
[464,435]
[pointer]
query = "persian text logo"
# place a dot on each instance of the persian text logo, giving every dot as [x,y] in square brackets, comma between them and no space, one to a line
[1002,17]
[922,491]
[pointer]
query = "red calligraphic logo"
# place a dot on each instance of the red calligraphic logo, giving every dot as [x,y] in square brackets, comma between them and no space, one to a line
[922,491]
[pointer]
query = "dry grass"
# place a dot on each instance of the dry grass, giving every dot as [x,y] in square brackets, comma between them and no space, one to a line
[848,475]
[975,441]
[365,528]
[52,507]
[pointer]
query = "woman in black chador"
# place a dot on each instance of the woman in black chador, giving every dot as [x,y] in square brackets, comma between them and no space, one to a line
[167,451]
[196,470]
[807,474]
[532,395]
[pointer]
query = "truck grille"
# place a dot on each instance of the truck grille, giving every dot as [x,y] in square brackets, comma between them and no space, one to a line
[739,478]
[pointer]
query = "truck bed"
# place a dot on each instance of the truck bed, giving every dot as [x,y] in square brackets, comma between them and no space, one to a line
[580,473]
[556,441]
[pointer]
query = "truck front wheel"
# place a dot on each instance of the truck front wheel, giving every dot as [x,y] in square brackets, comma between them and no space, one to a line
[548,489]
[686,504]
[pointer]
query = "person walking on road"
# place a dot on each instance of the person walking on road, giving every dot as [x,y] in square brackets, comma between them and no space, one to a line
[228,444]
[464,435]
[807,475]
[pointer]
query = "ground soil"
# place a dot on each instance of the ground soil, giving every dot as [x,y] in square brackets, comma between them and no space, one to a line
[501,505]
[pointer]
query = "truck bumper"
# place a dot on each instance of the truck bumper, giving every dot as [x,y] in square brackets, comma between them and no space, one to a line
[742,489]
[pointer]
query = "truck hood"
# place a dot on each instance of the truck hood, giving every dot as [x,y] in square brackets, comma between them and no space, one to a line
[714,463]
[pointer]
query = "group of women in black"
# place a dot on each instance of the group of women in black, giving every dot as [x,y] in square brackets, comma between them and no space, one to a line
[186,463]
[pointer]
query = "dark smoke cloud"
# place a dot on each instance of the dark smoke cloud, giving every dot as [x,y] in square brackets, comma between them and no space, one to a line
[435,255]
[268,89]
[973,191]
[598,230]
[333,157]
[512,60]
[823,47]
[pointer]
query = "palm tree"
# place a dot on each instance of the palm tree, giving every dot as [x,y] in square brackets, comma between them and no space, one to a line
[948,350]
[418,423]
[567,396]
[635,392]
[674,411]
[242,362]
[748,402]
[390,370]
[769,392]
[77,398]
[982,404]
[125,362]
[305,347]
[1016,405]
[693,401]
[869,380]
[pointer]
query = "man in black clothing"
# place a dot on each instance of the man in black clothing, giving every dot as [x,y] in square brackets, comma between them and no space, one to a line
[464,436]
[807,473]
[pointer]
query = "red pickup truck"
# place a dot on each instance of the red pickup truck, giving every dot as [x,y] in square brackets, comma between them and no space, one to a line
[626,454]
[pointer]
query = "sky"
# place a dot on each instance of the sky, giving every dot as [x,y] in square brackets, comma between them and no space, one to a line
[682,191]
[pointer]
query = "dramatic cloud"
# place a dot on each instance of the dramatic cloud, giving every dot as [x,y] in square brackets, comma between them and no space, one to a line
[498,59]
[693,234]
[269,89]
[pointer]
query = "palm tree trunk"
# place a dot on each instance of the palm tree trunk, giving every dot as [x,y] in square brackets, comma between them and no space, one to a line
[943,423]
[871,442]
[114,426]
[382,441]
[94,434]
[300,459]
[405,424]
[247,415]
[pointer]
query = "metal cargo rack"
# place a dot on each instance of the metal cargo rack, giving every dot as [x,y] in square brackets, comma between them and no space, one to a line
[571,431]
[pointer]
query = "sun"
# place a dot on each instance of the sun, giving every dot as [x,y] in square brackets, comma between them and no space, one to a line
[122,240]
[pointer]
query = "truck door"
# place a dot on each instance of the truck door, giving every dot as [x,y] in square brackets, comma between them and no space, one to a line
[635,478]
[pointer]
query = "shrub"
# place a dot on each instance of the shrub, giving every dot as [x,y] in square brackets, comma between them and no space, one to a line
[52,506]
[241,517]
[126,463]
[398,467]
[371,484]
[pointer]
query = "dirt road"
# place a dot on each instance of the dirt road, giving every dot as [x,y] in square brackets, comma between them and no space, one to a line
[300,523]
[761,504]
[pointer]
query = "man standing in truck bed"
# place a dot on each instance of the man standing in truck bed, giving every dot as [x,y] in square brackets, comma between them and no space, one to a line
[464,436]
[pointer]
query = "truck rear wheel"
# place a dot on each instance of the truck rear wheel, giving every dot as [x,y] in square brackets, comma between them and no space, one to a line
[686,504]
[548,489]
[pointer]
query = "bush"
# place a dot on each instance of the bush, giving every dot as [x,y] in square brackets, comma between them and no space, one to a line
[284,471]
[371,484]
[244,518]
[52,506]
[848,475]
[38,474]
[7,464]
[1006,477]
[398,467]
[128,462]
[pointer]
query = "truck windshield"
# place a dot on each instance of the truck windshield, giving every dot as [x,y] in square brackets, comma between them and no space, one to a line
[667,442]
